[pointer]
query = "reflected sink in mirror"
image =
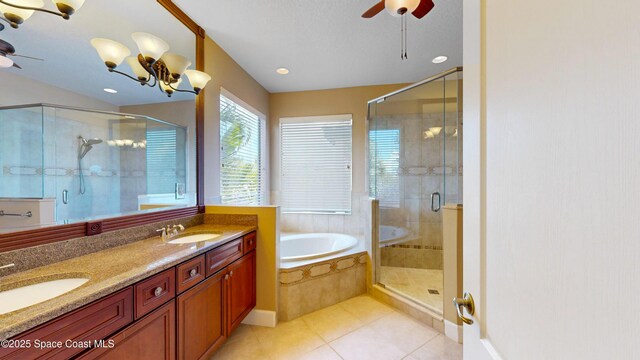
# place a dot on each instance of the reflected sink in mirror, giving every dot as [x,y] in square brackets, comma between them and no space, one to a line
[193,238]
[25,296]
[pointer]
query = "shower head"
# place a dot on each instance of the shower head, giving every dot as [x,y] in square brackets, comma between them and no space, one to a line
[86,146]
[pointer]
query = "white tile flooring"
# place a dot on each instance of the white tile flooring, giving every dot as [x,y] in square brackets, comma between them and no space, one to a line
[415,283]
[360,328]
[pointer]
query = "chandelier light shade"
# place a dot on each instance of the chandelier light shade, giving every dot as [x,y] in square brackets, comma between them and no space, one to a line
[400,7]
[170,88]
[197,79]
[111,52]
[177,64]
[153,65]
[18,15]
[15,12]
[140,72]
[68,6]
[150,46]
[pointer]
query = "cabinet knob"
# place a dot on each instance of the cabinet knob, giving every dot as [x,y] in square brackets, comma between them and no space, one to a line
[231,273]
[226,277]
[158,291]
[251,242]
[193,272]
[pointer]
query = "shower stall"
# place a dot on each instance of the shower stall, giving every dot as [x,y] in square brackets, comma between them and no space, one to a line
[89,163]
[415,168]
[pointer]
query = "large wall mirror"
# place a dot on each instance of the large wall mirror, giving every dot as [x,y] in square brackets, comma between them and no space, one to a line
[79,143]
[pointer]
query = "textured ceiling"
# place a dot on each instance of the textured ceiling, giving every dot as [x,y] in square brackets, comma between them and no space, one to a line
[326,44]
[73,64]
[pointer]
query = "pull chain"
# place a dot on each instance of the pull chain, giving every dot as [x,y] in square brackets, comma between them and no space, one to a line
[403,37]
[406,30]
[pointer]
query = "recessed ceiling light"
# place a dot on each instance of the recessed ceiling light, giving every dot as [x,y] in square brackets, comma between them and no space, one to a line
[439,59]
[111,91]
[282,71]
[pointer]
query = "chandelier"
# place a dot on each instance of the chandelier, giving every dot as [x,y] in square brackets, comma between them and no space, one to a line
[153,65]
[15,12]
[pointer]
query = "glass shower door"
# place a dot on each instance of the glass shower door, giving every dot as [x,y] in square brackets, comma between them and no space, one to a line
[413,153]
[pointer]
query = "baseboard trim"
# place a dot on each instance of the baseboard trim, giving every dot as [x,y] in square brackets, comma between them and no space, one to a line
[453,331]
[261,318]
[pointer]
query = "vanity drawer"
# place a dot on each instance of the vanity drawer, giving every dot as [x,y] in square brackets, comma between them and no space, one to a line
[190,273]
[249,242]
[223,256]
[153,292]
[93,322]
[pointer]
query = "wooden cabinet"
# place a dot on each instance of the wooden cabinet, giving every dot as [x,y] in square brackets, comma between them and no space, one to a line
[218,258]
[216,291]
[74,331]
[201,318]
[241,285]
[190,273]
[154,291]
[151,338]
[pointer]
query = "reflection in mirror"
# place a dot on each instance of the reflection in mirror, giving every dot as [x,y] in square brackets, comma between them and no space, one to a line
[89,153]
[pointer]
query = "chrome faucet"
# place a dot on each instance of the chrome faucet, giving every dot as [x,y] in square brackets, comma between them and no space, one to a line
[170,231]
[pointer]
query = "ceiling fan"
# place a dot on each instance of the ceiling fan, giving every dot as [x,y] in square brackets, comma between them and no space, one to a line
[418,8]
[7,50]
[399,8]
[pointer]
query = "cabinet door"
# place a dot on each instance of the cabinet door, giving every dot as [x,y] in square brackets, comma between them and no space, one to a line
[201,321]
[242,289]
[151,338]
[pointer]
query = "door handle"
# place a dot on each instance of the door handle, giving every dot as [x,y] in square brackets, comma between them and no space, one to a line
[465,302]
[435,208]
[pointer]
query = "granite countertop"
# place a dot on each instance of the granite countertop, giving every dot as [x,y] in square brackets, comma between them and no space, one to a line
[108,271]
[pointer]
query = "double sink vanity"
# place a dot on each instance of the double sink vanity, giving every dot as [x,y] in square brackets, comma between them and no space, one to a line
[175,296]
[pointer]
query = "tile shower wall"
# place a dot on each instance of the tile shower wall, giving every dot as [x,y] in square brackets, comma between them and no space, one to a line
[423,169]
[99,167]
[353,224]
[39,158]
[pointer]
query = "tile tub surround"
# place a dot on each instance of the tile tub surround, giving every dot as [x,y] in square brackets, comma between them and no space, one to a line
[315,286]
[36,256]
[109,271]
[355,329]
[351,224]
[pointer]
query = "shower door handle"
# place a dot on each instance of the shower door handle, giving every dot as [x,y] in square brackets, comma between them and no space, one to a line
[435,207]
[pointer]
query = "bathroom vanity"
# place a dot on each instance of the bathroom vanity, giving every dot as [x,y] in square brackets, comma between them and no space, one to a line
[171,302]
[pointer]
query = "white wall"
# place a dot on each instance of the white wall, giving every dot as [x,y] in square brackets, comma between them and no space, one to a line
[20,90]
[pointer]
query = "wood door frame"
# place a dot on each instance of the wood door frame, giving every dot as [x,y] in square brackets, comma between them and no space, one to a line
[29,238]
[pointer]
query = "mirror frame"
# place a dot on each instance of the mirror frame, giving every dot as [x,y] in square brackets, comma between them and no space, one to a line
[50,234]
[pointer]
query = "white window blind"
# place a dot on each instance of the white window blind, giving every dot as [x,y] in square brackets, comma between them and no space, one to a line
[241,175]
[316,164]
[161,161]
[384,167]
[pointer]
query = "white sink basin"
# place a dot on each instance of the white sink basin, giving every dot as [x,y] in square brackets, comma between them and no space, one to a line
[188,239]
[22,297]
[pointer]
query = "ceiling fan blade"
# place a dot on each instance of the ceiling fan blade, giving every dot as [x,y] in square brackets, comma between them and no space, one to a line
[375,9]
[17,66]
[26,57]
[423,8]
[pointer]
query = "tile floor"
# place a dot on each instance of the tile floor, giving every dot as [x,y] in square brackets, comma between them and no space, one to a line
[356,329]
[415,283]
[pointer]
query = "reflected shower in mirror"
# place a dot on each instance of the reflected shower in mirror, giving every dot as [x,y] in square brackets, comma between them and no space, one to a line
[78,142]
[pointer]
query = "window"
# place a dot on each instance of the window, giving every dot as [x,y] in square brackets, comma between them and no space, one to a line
[161,161]
[384,166]
[241,141]
[316,164]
